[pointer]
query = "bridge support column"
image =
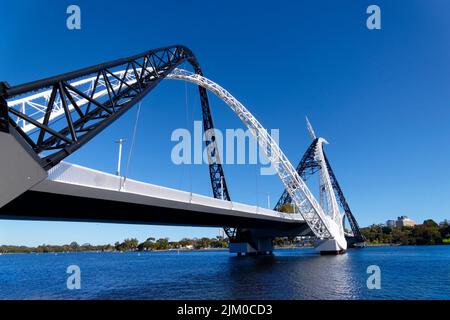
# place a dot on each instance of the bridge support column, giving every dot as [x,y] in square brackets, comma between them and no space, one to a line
[330,247]
[259,241]
[257,247]
[251,242]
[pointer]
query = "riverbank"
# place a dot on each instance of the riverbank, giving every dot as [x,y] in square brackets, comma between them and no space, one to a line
[288,247]
[131,244]
[427,233]
[118,252]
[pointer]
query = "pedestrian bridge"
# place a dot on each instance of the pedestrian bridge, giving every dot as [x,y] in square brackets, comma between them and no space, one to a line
[75,193]
[45,121]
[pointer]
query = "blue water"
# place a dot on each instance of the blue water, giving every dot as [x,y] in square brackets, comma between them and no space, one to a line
[406,273]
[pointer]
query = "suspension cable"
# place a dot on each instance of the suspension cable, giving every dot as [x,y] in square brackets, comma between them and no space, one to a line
[133,140]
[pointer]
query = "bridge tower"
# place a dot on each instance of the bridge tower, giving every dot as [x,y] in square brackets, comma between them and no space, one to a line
[307,167]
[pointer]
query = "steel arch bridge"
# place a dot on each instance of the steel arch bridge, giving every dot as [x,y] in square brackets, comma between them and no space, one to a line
[54,117]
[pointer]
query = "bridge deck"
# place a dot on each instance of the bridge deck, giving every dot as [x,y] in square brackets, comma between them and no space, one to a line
[76,193]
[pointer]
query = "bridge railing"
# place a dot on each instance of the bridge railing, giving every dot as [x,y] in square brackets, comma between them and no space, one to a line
[82,176]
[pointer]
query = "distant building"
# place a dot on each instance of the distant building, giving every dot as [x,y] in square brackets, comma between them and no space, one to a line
[390,223]
[404,221]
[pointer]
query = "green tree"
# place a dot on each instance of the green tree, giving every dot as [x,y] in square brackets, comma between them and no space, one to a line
[445,232]
[162,244]
[146,246]
[74,246]
[287,208]
[186,242]
[427,233]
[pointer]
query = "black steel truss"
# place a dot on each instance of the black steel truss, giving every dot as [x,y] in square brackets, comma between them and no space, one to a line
[82,124]
[344,204]
[307,167]
[218,182]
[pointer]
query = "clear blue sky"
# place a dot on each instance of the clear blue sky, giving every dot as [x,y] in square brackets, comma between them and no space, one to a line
[380,97]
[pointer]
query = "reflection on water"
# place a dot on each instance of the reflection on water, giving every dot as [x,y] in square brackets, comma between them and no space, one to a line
[293,275]
[406,273]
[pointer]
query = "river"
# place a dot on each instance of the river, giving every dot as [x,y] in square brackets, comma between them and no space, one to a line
[405,273]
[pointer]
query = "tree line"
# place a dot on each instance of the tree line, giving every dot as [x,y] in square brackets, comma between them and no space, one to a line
[427,233]
[150,244]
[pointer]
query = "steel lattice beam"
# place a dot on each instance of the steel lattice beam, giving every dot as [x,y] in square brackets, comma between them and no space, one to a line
[344,204]
[84,115]
[322,226]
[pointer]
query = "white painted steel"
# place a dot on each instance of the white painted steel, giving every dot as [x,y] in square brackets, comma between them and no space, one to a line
[326,188]
[35,106]
[19,171]
[311,132]
[332,206]
[323,225]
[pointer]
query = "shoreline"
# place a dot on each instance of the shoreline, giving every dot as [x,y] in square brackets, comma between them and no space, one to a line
[116,251]
[204,250]
[289,247]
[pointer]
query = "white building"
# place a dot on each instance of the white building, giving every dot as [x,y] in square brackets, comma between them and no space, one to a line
[404,221]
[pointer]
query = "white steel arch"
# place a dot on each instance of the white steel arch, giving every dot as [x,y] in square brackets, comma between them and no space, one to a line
[324,226]
[325,184]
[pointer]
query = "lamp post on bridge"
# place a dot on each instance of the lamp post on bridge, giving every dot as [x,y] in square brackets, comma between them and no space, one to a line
[221,187]
[267,195]
[120,142]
